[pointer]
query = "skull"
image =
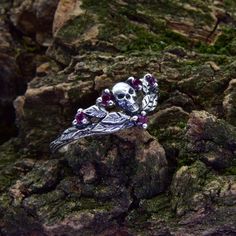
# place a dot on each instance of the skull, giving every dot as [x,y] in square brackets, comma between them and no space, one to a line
[124,95]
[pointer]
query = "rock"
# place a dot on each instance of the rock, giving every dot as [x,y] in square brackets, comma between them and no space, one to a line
[178,99]
[17,66]
[11,80]
[8,173]
[177,180]
[106,178]
[168,125]
[88,172]
[211,140]
[186,198]
[34,18]
[65,11]
[169,116]
[43,69]
[205,86]
[12,84]
[115,27]
[114,170]
[229,102]
[35,102]
[199,194]
[6,41]
[125,161]
[41,178]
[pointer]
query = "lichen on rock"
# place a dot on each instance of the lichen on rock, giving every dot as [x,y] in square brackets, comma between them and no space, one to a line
[175,178]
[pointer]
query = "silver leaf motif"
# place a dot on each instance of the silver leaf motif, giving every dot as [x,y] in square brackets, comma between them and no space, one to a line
[149,102]
[113,122]
[115,118]
[146,86]
[96,111]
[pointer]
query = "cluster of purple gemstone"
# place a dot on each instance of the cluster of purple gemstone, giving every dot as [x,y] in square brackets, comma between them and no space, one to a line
[142,120]
[106,97]
[136,84]
[151,80]
[79,117]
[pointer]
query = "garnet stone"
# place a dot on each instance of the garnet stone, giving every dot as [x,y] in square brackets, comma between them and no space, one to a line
[142,119]
[106,97]
[151,80]
[135,83]
[79,117]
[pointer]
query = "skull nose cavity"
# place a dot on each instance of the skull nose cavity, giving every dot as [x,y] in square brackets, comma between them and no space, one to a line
[128,96]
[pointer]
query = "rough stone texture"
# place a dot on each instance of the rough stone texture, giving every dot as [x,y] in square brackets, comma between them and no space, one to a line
[200,195]
[12,84]
[34,18]
[100,183]
[211,140]
[176,178]
[230,101]
[20,54]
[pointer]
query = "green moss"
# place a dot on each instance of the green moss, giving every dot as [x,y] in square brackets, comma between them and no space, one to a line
[231,170]
[186,187]
[75,27]
[91,203]
[100,7]
[5,201]
[150,211]
[133,33]
[225,44]
[137,217]
[158,204]
[230,5]
[70,205]
[9,154]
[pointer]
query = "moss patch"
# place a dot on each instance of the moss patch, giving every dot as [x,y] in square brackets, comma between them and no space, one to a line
[9,154]
[75,27]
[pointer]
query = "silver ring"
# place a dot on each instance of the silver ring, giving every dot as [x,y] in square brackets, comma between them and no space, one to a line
[134,98]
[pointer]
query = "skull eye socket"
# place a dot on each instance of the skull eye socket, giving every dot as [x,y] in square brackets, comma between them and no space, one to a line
[120,96]
[131,91]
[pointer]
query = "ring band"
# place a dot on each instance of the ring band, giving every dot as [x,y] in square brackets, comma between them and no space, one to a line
[134,98]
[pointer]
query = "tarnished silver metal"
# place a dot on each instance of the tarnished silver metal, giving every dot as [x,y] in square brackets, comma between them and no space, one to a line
[135,98]
[125,97]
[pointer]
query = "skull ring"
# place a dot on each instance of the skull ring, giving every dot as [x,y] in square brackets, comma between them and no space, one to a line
[134,98]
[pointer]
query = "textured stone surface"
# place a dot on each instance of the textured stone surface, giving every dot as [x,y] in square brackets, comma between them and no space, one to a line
[229,102]
[131,158]
[175,178]
[34,18]
[12,85]
[211,140]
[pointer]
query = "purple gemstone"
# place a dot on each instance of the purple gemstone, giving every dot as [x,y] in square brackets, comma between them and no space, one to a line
[136,83]
[151,80]
[79,117]
[142,119]
[106,98]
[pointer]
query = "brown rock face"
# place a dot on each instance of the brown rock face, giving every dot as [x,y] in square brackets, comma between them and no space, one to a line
[211,140]
[198,194]
[34,18]
[229,102]
[130,158]
[12,85]
[175,178]
[65,11]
